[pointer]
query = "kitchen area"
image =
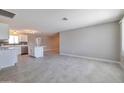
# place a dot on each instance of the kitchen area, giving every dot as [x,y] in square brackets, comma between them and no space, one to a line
[15,43]
[19,41]
[12,45]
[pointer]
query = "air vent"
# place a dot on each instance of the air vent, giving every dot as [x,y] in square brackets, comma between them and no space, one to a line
[64,19]
[6,13]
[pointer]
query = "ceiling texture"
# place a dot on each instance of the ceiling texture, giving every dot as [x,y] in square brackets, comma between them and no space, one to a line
[56,20]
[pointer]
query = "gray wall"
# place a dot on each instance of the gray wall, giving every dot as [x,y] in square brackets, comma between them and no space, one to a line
[100,41]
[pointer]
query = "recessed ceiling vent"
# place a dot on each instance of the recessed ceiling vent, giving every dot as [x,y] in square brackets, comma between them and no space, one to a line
[6,13]
[65,19]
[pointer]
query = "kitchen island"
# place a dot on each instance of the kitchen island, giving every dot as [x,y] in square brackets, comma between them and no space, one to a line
[36,51]
[8,56]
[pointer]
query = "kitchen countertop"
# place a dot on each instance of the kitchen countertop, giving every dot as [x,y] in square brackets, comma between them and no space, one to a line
[7,46]
[10,47]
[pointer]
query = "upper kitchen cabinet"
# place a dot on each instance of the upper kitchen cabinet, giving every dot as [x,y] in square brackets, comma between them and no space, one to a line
[4,31]
[23,38]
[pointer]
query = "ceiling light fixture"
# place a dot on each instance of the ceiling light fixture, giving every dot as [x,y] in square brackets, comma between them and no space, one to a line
[64,19]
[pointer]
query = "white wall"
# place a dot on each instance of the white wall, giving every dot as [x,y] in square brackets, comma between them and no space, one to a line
[100,41]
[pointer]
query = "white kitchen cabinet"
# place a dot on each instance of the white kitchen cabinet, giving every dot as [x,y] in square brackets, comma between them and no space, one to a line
[8,57]
[4,31]
[23,38]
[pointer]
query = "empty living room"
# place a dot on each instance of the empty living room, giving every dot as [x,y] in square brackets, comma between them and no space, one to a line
[61,45]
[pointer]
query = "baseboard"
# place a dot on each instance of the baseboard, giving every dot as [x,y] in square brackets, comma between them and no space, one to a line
[90,58]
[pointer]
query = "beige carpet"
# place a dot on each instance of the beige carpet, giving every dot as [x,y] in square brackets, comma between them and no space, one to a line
[54,68]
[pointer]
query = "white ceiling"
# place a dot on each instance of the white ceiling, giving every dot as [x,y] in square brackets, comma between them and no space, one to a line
[50,20]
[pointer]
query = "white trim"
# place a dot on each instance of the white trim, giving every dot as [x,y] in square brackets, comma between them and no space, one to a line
[91,58]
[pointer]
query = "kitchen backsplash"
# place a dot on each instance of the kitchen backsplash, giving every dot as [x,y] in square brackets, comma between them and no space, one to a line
[3,42]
